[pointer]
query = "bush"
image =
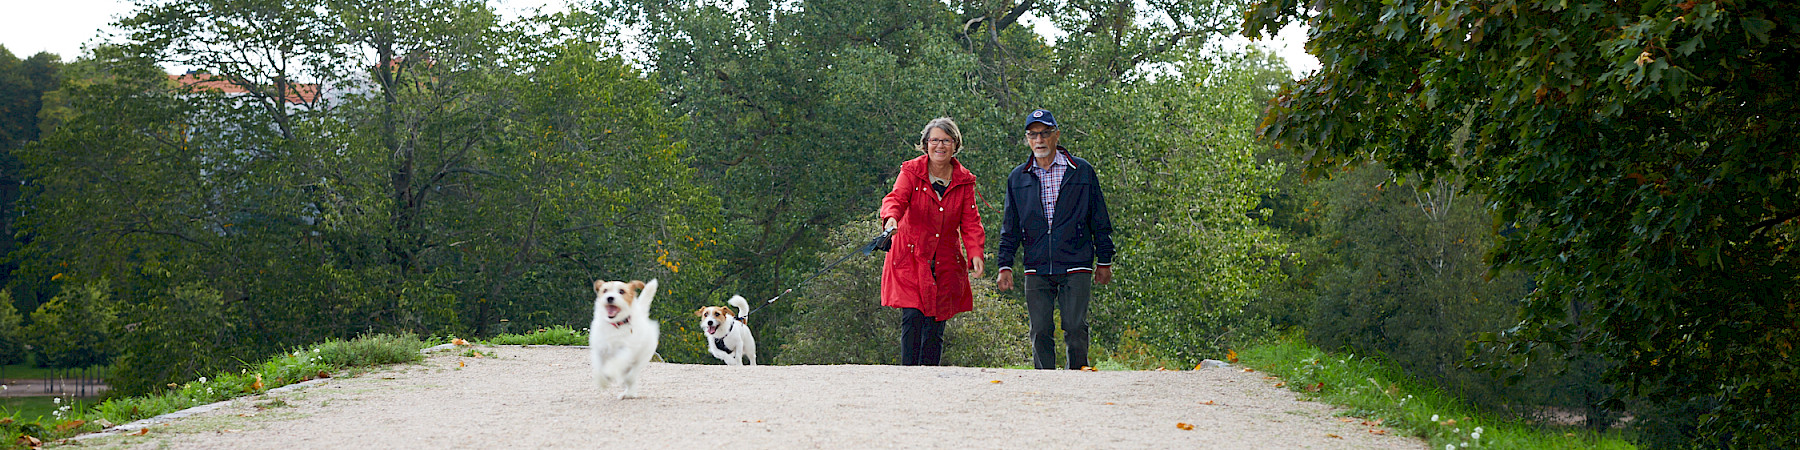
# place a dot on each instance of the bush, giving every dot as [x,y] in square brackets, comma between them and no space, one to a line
[556,335]
[841,320]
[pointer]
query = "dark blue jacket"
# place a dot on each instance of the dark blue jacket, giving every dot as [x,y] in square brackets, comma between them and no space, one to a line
[1081,234]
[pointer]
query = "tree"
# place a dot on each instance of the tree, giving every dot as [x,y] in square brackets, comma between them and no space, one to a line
[75,329]
[12,342]
[22,88]
[1641,150]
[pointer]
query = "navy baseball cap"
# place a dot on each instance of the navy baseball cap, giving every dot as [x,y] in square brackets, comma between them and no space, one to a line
[1040,116]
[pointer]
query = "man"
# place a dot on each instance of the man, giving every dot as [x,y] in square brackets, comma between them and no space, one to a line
[1054,206]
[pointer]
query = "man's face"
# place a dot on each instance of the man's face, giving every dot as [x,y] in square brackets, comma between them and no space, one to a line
[1042,139]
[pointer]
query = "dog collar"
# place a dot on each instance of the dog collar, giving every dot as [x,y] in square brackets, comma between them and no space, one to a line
[720,343]
[621,323]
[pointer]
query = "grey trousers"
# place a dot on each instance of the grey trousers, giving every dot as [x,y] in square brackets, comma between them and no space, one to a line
[1068,293]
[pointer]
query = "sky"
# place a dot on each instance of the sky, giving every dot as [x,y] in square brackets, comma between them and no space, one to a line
[63,27]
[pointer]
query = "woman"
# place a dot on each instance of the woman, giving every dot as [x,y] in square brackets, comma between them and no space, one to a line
[937,241]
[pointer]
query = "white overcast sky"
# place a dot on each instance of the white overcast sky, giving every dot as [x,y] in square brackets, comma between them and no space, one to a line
[64,26]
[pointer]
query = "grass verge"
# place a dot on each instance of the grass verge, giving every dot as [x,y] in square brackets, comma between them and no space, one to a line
[1374,389]
[557,335]
[319,361]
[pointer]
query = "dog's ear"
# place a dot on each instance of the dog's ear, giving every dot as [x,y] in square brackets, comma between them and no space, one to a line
[597,284]
[636,287]
[728,311]
[700,312]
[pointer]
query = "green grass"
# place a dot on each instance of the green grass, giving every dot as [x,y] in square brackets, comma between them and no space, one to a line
[322,360]
[557,335]
[1374,389]
[27,408]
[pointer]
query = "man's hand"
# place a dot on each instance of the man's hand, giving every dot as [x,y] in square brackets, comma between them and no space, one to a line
[1102,274]
[1004,282]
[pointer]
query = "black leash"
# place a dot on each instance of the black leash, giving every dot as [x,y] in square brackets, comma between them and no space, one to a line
[881,242]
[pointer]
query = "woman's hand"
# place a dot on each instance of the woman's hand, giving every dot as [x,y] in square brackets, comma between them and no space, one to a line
[892,223]
[976,264]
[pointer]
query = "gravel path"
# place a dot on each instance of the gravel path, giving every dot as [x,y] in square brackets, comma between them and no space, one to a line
[542,397]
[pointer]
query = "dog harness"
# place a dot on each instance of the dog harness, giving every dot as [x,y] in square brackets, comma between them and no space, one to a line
[720,342]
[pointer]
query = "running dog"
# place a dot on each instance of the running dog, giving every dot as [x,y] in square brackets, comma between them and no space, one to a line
[623,337]
[729,335]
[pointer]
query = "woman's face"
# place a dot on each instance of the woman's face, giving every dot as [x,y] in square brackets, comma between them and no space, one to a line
[940,146]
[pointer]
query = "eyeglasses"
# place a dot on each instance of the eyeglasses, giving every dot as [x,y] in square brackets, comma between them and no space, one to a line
[940,142]
[1039,134]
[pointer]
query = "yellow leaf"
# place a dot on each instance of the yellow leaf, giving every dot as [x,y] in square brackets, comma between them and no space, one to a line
[1184,426]
[995,381]
[1231,355]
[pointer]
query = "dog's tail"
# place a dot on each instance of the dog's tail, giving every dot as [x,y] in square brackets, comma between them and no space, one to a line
[642,303]
[743,306]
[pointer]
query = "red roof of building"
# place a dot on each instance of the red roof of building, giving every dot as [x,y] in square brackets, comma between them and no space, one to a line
[297,92]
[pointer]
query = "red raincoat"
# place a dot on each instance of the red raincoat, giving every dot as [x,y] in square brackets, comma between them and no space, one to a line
[929,228]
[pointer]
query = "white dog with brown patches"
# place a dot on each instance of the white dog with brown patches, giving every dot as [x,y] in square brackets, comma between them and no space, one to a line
[623,337]
[728,337]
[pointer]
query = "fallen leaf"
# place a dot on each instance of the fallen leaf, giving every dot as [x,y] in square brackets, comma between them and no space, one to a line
[29,441]
[1089,369]
[459,341]
[1231,355]
[995,381]
[751,421]
[1110,403]
[1280,383]
[324,374]
[1315,387]
[1269,378]
[1208,402]
[1346,419]
[6,421]
[462,364]
[141,432]
[1197,366]
[1184,426]
[258,385]
[1247,369]
[70,425]
[1375,431]
[1333,436]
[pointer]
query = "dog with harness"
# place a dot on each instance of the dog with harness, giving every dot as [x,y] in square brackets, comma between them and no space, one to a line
[729,334]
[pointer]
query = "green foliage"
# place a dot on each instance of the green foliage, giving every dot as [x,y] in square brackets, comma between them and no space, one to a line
[288,368]
[75,329]
[1373,388]
[839,318]
[1642,151]
[375,350]
[556,335]
[174,337]
[12,337]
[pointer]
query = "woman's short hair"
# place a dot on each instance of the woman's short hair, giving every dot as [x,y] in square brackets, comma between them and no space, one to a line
[942,123]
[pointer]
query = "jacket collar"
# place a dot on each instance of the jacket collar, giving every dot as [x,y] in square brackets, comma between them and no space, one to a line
[920,167]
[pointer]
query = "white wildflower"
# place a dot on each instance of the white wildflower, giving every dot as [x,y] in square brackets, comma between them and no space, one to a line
[1465,445]
[1449,446]
[202,379]
[1434,417]
[1476,436]
[1477,430]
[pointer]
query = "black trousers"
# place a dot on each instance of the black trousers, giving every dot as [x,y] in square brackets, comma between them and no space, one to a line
[1047,294]
[921,338]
